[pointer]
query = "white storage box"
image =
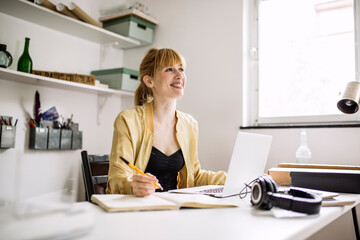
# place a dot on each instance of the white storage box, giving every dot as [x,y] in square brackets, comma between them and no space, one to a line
[119,78]
[132,26]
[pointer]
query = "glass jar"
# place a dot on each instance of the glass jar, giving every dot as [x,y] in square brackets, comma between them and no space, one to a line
[5,57]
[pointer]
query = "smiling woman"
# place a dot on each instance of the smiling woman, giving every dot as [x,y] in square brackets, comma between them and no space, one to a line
[156,137]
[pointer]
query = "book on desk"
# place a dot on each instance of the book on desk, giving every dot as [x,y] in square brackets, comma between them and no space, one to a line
[157,201]
[336,178]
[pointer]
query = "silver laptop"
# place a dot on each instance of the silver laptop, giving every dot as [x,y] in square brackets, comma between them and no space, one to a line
[248,162]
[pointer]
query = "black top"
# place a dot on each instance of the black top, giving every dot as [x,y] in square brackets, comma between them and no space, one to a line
[165,168]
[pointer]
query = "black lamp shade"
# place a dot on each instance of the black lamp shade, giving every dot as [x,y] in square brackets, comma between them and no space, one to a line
[349,103]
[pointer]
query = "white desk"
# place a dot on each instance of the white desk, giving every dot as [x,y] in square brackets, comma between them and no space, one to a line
[243,222]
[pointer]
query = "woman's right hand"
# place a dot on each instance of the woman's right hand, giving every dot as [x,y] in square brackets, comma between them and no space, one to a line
[143,185]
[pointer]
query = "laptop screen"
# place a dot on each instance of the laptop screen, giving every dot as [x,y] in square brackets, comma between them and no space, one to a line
[247,162]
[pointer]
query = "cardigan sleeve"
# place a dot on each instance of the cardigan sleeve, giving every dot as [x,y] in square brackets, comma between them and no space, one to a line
[204,177]
[120,175]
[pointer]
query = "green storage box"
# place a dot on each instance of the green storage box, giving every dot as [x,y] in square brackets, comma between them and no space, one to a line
[119,78]
[132,26]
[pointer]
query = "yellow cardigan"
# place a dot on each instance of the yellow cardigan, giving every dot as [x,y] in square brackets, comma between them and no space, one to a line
[133,140]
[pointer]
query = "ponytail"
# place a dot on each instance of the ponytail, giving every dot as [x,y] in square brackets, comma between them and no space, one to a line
[143,94]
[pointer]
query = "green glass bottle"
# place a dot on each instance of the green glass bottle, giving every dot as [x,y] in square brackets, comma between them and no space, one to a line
[25,62]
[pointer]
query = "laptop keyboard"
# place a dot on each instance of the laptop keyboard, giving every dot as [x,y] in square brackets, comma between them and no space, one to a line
[213,190]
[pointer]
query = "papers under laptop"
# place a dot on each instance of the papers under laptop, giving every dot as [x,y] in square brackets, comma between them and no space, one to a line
[247,162]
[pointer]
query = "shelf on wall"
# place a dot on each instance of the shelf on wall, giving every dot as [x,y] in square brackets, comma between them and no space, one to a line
[15,76]
[40,15]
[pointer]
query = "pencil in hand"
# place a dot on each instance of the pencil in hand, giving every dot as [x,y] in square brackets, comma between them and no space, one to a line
[140,172]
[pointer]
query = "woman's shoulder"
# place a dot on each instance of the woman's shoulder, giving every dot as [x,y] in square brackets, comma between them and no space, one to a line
[131,113]
[187,119]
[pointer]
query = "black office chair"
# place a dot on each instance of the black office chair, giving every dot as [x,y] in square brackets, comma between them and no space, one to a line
[95,173]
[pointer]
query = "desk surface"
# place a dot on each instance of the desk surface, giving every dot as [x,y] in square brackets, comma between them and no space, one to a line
[243,222]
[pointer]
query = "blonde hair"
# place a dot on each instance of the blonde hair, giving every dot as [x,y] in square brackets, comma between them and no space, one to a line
[154,60]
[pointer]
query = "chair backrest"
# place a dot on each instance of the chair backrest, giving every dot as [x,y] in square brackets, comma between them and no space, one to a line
[95,173]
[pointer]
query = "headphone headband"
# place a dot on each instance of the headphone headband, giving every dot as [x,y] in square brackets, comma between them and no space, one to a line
[305,203]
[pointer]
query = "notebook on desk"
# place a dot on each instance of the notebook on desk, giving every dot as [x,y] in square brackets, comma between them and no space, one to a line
[247,162]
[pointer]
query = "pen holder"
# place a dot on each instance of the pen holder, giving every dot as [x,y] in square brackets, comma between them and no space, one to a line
[75,127]
[76,140]
[54,139]
[65,139]
[7,136]
[38,138]
[47,123]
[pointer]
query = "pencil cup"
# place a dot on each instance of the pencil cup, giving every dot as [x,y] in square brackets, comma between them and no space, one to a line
[65,139]
[38,138]
[47,123]
[76,140]
[75,127]
[7,136]
[54,139]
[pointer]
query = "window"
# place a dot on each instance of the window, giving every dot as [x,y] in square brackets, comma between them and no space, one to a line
[299,55]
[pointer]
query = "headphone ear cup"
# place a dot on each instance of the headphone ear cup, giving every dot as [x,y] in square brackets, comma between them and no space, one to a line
[257,195]
[270,187]
[259,192]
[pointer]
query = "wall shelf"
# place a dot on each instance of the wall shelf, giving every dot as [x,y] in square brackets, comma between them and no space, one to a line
[27,78]
[42,16]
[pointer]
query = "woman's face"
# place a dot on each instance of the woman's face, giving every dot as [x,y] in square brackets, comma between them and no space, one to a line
[169,82]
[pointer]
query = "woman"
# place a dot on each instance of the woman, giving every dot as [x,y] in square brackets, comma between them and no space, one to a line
[154,136]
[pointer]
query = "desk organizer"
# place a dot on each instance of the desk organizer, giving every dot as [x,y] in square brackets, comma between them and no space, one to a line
[49,138]
[54,139]
[38,138]
[65,139]
[7,139]
[76,140]
[7,133]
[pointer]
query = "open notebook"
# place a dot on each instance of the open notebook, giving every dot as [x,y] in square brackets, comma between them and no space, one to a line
[157,201]
[247,162]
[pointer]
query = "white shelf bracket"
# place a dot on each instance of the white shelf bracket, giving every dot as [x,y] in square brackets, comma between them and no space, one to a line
[104,51]
[101,100]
